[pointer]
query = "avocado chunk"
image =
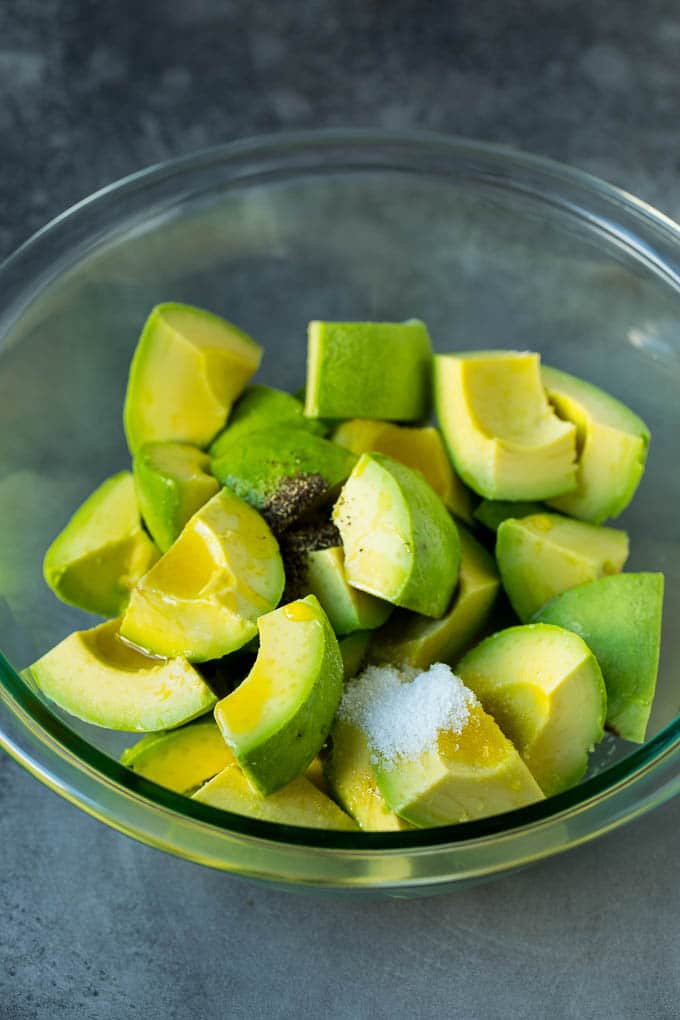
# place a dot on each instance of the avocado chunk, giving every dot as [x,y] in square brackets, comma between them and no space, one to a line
[437,757]
[351,780]
[505,440]
[96,677]
[468,775]
[202,598]
[418,640]
[260,408]
[619,618]
[368,370]
[492,512]
[347,608]
[419,448]
[400,542]
[103,550]
[612,444]
[181,760]
[277,720]
[188,368]
[545,554]
[543,686]
[284,472]
[172,482]
[298,803]
[354,649]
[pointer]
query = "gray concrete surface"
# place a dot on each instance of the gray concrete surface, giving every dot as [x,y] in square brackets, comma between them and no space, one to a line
[95,926]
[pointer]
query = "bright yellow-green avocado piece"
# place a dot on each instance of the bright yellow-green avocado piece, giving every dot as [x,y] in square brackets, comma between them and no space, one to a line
[103,550]
[619,618]
[505,440]
[284,472]
[187,370]
[543,554]
[203,597]
[347,608]
[354,649]
[351,780]
[400,541]
[263,407]
[368,370]
[419,448]
[172,481]
[277,720]
[414,640]
[181,760]
[472,774]
[298,803]
[96,677]
[544,688]
[612,444]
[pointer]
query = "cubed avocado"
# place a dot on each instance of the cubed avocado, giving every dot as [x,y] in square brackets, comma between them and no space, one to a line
[544,687]
[612,443]
[96,677]
[400,541]
[277,720]
[284,473]
[172,482]
[298,803]
[505,440]
[543,554]
[368,370]
[619,617]
[263,407]
[103,550]
[348,608]
[203,597]
[188,368]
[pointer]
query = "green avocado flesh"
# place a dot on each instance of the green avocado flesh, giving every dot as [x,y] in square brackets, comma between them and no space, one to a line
[277,720]
[368,370]
[505,440]
[543,686]
[262,407]
[181,760]
[203,597]
[619,618]
[298,803]
[400,542]
[187,370]
[354,649]
[96,677]
[103,550]
[414,640]
[350,777]
[419,448]
[545,554]
[172,482]
[492,512]
[612,443]
[284,472]
[468,775]
[348,609]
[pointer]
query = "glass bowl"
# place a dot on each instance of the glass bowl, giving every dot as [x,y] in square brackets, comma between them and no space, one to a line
[491,248]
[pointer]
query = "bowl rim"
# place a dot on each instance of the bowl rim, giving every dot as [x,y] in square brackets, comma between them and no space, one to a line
[655,240]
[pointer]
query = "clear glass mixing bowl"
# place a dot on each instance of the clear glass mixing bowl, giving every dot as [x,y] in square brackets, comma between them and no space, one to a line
[491,248]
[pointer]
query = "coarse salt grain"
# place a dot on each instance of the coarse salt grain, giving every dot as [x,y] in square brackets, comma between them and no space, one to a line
[402,711]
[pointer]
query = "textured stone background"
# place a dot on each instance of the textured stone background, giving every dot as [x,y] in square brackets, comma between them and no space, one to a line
[93,925]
